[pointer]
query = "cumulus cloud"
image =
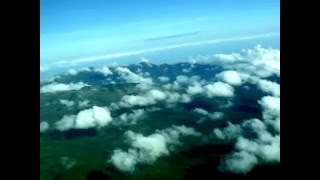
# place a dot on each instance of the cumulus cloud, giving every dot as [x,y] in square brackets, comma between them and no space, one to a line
[194,89]
[239,162]
[147,149]
[163,78]
[104,70]
[229,133]
[96,117]
[131,77]
[257,61]
[83,104]
[217,58]
[213,116]
[57,87]
[151,97]
[66,102]
[219,89]
[271,107]
[44,126]
[124,161]
[66,123]
[72,72]
[269,87]
[146,61]
[262,148]
[132,118]
[230,77]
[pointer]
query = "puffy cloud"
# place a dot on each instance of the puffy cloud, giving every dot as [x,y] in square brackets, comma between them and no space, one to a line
[239,162]
[186,70]
[133,117]
[135,100]
[185,80]
[156,94]
[151,97]
[230,77]
[217,58]
[95,117]
[66,123]
[72,72]
[266,152]
[57,87]
[257,61]
[201,111]
[150,147]
[83,104]
[163,78]
[88,118]
[44,126]
[219,89]
[213,116]
[260,149]
[269,87]
[104,70]
[131,77]
[66,102]
[124,161]
[147,149]
[185,98]
[271,107]
[146,61]
[229,133]
[227,57]
[196,88]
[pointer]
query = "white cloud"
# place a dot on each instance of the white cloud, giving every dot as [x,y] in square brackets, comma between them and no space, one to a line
[151,97]
[147,149]
[257,61]
[57,87]
[219,89]
[66,102]
[239,162]
[44,126]
[213,116]
[229,133]
[163,78]
[196,88]
[132,118]
[230,77]
[146,61]
[131,77]
[72,72]
[227,57]
[201,111]
[269,87]
[66,123]
[271,107]
[83,104]
[104,70]
[124,161]
[88,118]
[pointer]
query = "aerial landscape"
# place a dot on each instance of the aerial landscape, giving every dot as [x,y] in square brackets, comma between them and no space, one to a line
[159,89]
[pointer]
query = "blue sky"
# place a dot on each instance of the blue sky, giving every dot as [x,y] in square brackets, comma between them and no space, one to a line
[73,29]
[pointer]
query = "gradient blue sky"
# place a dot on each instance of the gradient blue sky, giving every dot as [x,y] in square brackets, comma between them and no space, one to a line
[72,29]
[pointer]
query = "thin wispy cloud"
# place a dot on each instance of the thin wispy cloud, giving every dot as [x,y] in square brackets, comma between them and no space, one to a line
[77,61]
